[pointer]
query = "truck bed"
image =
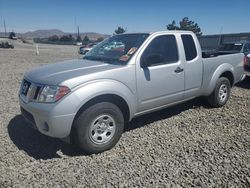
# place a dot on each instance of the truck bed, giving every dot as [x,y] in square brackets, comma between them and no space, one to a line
[214,53]
[211,65]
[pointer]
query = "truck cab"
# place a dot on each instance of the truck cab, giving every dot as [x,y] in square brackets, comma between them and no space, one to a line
[168,72]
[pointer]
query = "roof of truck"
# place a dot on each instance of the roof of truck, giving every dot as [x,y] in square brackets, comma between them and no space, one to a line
[160,32]
[172,31]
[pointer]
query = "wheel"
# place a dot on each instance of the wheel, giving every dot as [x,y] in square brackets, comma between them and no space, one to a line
[221,93]
[98,128]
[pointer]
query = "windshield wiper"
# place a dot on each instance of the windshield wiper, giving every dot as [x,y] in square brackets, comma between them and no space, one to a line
[90,57]
[97,58]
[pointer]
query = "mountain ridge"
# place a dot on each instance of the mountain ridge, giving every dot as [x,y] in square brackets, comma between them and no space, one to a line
[45,33]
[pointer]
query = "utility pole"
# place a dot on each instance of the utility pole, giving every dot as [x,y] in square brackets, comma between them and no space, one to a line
[78,31]
[220,37]
[4,28]
[75,25]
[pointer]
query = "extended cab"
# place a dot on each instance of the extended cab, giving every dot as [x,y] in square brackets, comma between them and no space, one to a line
[89,100]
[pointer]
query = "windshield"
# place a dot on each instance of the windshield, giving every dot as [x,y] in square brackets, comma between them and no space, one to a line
[118,48]
[231,47]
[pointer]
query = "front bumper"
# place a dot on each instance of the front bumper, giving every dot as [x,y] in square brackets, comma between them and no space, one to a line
[44,118]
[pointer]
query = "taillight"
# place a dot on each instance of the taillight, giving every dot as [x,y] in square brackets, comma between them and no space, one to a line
[245,60]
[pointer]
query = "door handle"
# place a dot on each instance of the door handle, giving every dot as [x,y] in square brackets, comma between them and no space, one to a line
[178,70]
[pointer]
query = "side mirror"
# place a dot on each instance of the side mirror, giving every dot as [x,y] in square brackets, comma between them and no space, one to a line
[248,55]
[151,59]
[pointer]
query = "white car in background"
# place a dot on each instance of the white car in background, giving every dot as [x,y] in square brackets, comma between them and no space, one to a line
[86,48]
[79,43]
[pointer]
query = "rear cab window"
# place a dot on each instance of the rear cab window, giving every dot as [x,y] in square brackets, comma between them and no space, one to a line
[189,47]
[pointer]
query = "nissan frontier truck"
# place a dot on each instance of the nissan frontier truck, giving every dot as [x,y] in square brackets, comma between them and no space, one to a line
[90,100]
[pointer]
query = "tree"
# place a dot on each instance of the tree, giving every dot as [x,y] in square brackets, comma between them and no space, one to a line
[79,39]
[64,38]
[120,30]
[67,38]
[71,38]
[85,39]
[186,24]
[100,39]
[53,38]
[172,26]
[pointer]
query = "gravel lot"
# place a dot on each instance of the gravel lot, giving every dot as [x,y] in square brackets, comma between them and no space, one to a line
[187,145]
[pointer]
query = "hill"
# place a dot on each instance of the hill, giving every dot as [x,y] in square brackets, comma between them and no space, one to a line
[49,32]
[41,33]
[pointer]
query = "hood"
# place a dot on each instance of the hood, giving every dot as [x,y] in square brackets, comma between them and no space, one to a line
[57,73]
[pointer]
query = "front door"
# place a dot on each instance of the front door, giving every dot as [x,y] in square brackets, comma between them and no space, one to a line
[160,73]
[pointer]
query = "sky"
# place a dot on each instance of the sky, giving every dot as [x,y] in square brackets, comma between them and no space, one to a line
[104,16]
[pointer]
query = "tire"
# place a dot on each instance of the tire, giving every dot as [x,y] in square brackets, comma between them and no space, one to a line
[221,93]
[98,128]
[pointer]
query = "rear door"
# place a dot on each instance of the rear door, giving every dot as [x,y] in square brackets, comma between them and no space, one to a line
[161,80]
[193,66]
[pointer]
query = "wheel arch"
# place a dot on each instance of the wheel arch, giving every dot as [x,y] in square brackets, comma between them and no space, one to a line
[224,70]
[112,98]
[229,75]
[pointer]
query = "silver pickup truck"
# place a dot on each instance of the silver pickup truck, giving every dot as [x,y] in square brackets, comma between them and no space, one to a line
[89,100]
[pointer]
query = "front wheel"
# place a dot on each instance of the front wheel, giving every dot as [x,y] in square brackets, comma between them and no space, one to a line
[98,128]
[221,93]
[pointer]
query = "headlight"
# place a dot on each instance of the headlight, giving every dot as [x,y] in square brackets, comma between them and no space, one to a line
[51,94]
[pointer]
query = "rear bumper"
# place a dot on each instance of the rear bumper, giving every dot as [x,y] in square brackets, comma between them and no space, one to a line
[43,119]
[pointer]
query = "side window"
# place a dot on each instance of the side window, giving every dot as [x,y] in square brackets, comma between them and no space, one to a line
[246,48]
[189,47]
[161,50]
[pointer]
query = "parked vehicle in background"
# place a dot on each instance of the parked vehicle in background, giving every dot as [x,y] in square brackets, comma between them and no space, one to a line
[12,36]
[78,43]
[90,100]
[238,47]
[230,48]
[86,48]
[235,47]
[6,45]
[247,65]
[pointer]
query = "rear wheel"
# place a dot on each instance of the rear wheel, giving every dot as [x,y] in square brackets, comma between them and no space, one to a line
[221,93]
[98,128]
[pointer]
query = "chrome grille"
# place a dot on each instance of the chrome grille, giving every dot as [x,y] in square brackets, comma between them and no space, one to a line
[29,91]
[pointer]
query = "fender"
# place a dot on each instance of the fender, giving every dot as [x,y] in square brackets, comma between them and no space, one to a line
[209,87]
[95,88]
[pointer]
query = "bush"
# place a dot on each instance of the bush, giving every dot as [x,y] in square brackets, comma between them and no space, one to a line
[53,38]
[67,38]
